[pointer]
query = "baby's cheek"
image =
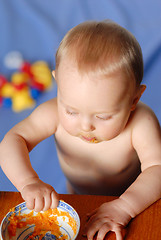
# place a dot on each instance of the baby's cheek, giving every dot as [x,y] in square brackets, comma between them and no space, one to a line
[70,127]
[107,133]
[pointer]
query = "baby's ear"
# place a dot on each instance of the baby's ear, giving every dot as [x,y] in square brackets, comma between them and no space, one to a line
[138,96]
[53,73]
[142,89]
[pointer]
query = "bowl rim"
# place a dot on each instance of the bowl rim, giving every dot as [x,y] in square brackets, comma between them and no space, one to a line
[61,202]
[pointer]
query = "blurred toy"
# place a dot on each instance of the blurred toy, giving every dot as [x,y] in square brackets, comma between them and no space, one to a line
[7,102]
[22,100]
[13,60]
[1,100]
[26,84]
[3,80]
[35,93]
[42,74]
[7,90]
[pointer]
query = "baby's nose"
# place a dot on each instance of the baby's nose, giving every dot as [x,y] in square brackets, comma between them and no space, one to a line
[87,125]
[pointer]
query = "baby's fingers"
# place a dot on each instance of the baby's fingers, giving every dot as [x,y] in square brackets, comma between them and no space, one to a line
[39,204]
[30,203]
[103,231]
[51,200]
[93,228]
[118,234]
[54,199]
[47,202]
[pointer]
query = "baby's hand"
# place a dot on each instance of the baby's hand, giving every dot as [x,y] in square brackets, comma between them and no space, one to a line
[109,216]
[39,196]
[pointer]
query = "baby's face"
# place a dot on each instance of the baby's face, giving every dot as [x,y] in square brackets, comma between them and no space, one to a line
[93,109]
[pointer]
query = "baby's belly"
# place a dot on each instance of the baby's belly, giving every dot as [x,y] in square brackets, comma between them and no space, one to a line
[94,181]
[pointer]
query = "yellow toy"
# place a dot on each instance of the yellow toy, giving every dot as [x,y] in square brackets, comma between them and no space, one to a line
[25,86]
[42,74]
[19,78]
[22,100]
[7,90]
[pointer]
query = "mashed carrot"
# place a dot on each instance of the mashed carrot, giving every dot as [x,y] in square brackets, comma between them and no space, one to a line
[94,140]
[43,221]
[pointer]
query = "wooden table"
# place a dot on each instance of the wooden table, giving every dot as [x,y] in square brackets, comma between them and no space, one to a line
[146,226]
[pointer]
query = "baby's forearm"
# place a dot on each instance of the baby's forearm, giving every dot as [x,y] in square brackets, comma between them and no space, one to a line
[144,191]
[14,160]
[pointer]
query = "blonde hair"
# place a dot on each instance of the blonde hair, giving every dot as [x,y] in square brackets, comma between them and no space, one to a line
[102,48]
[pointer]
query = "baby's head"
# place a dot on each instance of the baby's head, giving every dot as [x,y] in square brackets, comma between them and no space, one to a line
[99,68]
[102,48]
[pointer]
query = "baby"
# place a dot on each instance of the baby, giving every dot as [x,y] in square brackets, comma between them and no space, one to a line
[108,142]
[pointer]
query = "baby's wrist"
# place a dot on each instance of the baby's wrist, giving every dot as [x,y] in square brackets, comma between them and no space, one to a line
[28,181]
[127,207]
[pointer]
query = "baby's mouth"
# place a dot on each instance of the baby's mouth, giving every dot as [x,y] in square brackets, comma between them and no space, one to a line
[90,139]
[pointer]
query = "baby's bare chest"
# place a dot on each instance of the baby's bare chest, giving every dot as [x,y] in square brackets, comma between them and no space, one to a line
[106,168]
[105,158]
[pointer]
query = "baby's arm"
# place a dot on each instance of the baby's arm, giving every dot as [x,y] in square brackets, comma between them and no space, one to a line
[14,156]
[114,215]
[146,139]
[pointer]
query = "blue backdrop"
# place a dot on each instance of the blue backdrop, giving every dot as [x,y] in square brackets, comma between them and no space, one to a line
[35,29]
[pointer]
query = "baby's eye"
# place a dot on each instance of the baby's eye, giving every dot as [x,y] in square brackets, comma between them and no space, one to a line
[104,117]
[71,112]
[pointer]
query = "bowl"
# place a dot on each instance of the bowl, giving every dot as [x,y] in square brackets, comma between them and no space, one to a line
[21,223]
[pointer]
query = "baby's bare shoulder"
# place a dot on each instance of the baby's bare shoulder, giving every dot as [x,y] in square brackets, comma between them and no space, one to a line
[45,116]
[39,125]
[46,109]
[144,123]
[146,136]
[143,114]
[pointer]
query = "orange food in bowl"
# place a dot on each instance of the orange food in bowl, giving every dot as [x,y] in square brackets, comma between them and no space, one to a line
[44,222]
